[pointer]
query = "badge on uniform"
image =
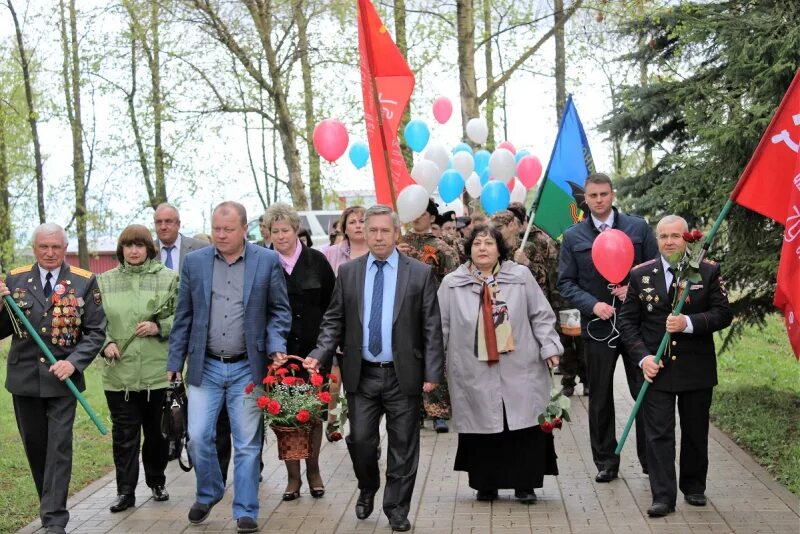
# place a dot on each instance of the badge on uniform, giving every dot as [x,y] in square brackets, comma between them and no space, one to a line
[97,298]
[646,280]
[649,307]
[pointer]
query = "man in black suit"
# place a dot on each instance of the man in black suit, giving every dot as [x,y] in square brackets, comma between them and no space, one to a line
[385,316]
[172,245]
[687,371]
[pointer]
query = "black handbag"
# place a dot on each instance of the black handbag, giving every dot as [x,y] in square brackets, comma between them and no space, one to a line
[174,422]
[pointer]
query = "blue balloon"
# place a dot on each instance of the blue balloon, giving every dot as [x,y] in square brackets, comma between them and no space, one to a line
[495,196]
[521,154]
[359,154]
[451,185]
[481,158]
[484,176]
[417,135]
[462,147]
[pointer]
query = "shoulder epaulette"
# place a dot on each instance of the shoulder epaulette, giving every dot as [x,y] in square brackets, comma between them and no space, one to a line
[648,262]
[23,269]
[80,272]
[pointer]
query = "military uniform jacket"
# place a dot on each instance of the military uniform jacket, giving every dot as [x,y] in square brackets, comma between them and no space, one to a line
[431,250]
[690,361]
[72,325]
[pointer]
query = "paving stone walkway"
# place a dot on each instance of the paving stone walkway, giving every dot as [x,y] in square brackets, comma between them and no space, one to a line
[742,496]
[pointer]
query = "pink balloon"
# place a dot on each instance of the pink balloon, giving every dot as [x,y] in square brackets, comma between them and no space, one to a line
[510,184]
[529,170]
[612,255]
[508,146]
[330,139]
[442,109]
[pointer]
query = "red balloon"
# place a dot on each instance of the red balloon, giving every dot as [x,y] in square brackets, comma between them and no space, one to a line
[508,146]
[330,139]
[442,109]
[529,170]
[612,255]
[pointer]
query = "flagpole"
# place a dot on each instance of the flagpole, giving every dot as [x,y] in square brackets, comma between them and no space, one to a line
[46,350]
[376,99]
[678,307]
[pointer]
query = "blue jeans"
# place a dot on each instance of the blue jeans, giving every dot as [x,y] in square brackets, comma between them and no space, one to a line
[226,381]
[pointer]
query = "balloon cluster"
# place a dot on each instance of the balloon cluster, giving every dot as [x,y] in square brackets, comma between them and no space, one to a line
[497,178]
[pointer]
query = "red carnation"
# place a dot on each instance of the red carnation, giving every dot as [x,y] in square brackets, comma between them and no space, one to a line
[547,426]
[324,396]
[299,381]
[687,236]
[316,380]
[282,372]
[274,407]
[289,380]
[557,422]
[269,380]
[303,416]
[333,378]
[294,367]
[697,234]
[335,436]
[248,389]
[262,401]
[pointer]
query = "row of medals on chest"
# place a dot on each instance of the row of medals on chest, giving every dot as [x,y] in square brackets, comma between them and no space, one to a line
[66,313]
[648,295]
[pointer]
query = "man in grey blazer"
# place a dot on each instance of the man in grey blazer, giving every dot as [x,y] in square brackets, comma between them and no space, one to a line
[385,316]
[172,245]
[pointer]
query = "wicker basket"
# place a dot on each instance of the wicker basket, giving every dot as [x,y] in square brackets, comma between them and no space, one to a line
[294,443]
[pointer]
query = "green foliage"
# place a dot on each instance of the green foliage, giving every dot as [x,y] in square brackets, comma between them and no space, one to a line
[757,401]
[718,72]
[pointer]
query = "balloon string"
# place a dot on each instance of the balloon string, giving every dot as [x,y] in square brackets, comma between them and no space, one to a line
[614,334]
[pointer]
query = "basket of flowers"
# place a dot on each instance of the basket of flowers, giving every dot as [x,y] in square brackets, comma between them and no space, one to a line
[292,406]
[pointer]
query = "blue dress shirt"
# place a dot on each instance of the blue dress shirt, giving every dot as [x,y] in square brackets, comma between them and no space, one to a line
[389,286]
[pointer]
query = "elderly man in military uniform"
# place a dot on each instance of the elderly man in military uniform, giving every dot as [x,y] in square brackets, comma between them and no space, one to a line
[687,373]
[64,305]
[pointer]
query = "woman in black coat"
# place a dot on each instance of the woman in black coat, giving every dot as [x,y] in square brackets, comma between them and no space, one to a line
[309,283]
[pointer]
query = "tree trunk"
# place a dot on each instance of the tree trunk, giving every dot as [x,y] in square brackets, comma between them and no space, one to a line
[6,242]
[491,101]
[72,95]
[561,60]
[154,62]
[32,116]
[402,45]
[299,8]
[648,149]
[465,31]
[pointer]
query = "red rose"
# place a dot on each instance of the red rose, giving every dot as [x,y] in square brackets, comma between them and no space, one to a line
[262,401]
[294,367]
[332,378]
[274,407]
[268,380]
[289,380]
[316,380]
[336,436]
[303,416]
[557,422]
[687,236]
[282,372]
[697,234]
[248,389]
[324,396]
[547,426]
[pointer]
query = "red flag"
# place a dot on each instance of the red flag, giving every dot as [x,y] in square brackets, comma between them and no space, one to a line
[385,76]
[770,185]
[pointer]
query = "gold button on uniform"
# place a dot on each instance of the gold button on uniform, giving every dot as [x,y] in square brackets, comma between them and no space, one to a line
[41,360]
[674,343]
[44,329]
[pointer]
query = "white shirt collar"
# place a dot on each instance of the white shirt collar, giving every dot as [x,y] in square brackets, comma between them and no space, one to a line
[609,221]
[43,275]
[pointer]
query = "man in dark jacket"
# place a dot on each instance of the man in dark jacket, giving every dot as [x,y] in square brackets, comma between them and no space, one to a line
[584,287]
[688,370]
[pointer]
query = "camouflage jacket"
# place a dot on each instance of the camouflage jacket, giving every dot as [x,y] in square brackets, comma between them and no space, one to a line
[432,251]
[542,251]
[456,242]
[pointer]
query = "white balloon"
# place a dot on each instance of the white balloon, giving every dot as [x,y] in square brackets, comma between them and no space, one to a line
[427,174]
[412,202]
[519,192]
[457,206]
[502,165]
[437,153]
[474,186]
[463,163]
[477,130]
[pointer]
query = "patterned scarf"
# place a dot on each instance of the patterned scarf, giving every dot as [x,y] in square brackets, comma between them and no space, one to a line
[493,335]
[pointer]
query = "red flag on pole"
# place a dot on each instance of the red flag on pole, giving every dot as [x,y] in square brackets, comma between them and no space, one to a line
[385,77]
[770,185]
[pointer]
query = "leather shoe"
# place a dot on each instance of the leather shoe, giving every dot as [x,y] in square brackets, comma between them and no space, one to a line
[606,475]
[365,503]
[525,496]
[122,503]
[199,512]
[568,391]
[160,493]
[399,523]
[55,529]
[246,524]
[695,499]
[660,509]
[486,495]
[440,426]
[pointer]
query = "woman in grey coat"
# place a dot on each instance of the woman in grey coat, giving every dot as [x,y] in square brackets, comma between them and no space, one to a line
[500,337]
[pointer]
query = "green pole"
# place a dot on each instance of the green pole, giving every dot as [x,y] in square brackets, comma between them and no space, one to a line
[32,331]
[678,307]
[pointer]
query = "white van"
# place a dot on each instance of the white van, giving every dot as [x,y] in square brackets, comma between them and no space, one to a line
[318,223]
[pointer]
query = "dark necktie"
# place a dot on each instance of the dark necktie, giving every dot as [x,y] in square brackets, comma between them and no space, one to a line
[48,287]
[673,283]
[603,227]
[168,259]
[376,310]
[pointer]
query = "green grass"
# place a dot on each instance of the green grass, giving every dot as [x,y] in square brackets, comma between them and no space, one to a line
[92,452]
[757,401]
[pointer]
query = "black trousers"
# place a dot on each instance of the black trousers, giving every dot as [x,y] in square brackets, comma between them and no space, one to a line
[659,416]
[573,361]
[45,426]
[600,363]
[379,393]
[134,413]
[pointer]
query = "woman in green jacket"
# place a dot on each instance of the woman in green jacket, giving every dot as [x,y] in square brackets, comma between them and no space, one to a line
[139,302]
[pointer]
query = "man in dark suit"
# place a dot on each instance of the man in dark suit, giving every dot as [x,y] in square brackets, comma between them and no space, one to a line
[688,370]
[385,316]
[64,305]
[232,318]
[584,287]
[172,245]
